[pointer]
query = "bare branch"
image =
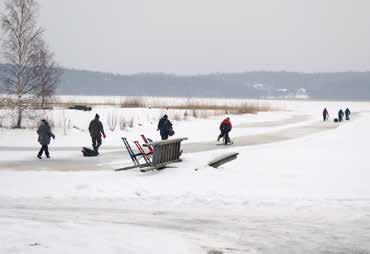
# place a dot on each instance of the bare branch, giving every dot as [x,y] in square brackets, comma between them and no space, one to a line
[22,75]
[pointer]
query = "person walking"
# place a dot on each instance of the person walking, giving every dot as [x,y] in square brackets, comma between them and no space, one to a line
[225,128]
[347,113]
[325,115]
[165,127]
[96,130]
[340,115]
[44,135]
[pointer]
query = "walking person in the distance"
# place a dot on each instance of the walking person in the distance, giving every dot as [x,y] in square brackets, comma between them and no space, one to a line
[225,128]
[96,130]
[340,115]
[165,128]
[325,115]
[347,112]
[45,134]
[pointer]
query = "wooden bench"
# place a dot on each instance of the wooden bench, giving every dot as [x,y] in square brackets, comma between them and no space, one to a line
[163,153]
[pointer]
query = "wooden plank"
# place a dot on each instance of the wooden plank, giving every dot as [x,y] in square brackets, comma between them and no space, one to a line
[160,166]
[221,160]
[170,141]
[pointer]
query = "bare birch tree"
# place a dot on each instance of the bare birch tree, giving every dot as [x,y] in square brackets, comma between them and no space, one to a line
[49,74]
[21,45]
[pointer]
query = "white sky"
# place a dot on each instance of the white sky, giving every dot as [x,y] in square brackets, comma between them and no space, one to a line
[203,36]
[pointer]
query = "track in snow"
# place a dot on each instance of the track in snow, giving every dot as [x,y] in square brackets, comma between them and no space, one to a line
[109,158]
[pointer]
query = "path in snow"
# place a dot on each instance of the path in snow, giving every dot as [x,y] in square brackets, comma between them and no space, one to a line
[265,124]
[264,138]
[109,158]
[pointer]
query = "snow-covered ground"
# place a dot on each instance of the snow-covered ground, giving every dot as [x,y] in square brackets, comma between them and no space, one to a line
[298,186]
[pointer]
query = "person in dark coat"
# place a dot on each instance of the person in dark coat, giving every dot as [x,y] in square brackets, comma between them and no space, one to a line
[44,132]
[325,114]
[340,115]
[348,113]
[96,130]
[165,127]
[225,128]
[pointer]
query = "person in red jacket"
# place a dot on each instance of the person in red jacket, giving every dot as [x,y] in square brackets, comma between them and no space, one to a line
[225,128]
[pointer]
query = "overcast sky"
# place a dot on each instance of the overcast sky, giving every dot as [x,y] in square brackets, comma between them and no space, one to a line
[203,36]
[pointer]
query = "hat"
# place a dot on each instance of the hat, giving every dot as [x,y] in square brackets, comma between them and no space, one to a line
[97,116]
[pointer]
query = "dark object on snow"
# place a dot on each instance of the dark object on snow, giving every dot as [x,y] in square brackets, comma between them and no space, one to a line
[325,114]
[340,115]
[96,130]
[165,128]
[215,252]
[87,152]
[225,128]
[81,107]
[35,244]
[336,120]
[219,161]
[45,134]
[348,114]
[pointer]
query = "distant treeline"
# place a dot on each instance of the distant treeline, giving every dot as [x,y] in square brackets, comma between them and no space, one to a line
[331,86]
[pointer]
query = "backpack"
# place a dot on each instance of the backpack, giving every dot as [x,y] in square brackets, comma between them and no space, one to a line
[171,132]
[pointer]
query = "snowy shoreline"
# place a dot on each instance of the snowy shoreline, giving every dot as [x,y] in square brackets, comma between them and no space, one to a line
[306,192]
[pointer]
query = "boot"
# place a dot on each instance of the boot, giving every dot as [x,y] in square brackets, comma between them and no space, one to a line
[96,149]
[219,137]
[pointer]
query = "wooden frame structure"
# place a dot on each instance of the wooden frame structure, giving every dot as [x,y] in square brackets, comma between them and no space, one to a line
[165,152]
[161,153]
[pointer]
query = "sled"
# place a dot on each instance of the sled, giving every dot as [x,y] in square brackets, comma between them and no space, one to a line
[223,144]
[87,152]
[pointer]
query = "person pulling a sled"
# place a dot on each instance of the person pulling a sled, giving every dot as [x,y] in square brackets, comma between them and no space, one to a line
[340,115]
[96,130]
[325,115]
[44,132]
[347,113]
[225,128]
[165,127]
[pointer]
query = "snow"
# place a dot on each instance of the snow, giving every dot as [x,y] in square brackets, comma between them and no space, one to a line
[308,194]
